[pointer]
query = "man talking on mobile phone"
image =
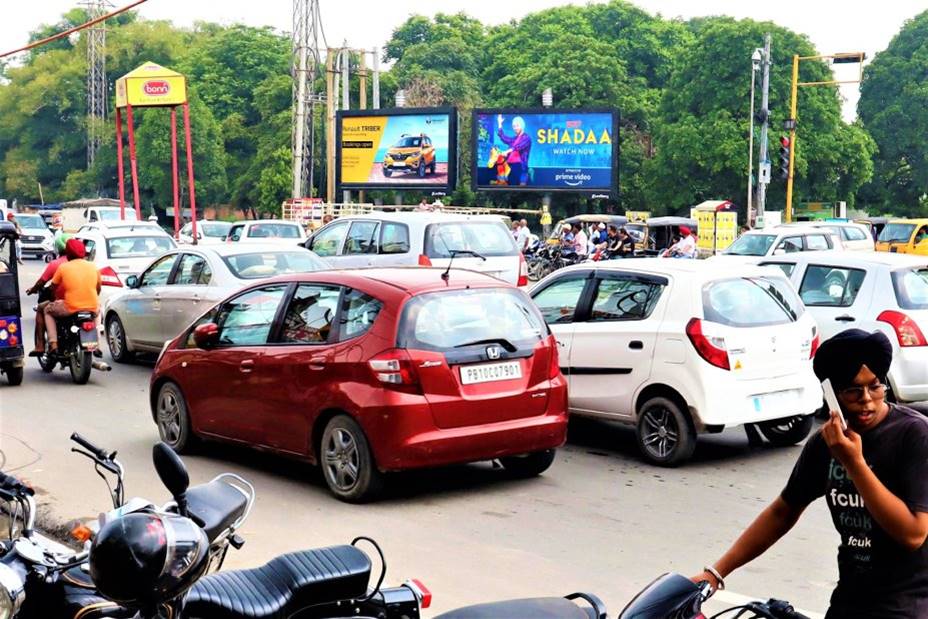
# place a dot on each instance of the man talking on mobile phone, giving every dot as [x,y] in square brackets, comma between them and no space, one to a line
[874,478]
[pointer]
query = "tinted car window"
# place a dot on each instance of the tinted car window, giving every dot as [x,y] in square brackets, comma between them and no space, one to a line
[394,239]
[235,233]
[558,301]
[854,234]
[158,273]
[309,316]
[829,286]
[330,239]
[911,286]
[274,231]
[750,302]
[192,271]
[457,318]
[138,246]
[786,267]
[790,245]
[259,265]
[896,232]
[359,311]
[247,319]
[624,299]
[362,238]
[751,245]
[487,238]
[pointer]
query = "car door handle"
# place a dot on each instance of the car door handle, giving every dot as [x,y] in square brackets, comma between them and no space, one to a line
[845,318]
[636,345]
[246,366]
[317,363]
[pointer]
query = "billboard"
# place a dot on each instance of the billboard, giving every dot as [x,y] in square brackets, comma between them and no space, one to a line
[409,148]
[545,150]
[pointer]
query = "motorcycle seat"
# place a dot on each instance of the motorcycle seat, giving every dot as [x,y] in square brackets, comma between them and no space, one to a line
[215,506]
[281,587]
[536,608]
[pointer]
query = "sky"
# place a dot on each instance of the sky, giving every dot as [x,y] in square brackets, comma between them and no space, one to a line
[832,25]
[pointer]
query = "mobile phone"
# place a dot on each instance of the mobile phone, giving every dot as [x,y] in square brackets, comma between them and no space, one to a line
[832,400]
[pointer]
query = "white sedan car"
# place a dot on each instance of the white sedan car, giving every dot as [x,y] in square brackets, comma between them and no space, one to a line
[879,291]
[680,347]
[208,232]
[181,285]
[267,231]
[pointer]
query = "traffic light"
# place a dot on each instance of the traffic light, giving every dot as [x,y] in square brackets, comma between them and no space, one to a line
[784,157]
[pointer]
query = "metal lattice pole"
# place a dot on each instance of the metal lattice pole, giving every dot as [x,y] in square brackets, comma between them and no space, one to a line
[96,78]
[305,69]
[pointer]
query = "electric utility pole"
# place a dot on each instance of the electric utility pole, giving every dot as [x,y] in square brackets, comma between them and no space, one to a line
[763,165]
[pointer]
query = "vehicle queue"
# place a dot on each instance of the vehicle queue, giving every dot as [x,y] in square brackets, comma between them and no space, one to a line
[437,352]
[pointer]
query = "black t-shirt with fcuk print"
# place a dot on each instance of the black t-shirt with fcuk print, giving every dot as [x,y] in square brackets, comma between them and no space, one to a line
[877,576]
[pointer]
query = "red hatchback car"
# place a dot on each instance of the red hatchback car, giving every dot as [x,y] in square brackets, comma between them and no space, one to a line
[369,371]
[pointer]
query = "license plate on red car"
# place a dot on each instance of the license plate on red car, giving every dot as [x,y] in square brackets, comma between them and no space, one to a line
[490,372]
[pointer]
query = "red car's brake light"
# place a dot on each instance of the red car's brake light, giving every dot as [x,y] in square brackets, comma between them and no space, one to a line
[816,342]
[554,366]
[395,369]
[712,349]
[523,271]
[108,277]
[907,331]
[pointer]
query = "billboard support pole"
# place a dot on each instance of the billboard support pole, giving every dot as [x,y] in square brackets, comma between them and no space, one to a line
[375,86]
[362,97]
[174,175]
[547,101]
[191,189]
[133,164]
[329,128]
[119,166]
[345,59]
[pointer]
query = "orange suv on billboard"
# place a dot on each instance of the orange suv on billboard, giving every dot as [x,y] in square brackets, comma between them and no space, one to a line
[411,153]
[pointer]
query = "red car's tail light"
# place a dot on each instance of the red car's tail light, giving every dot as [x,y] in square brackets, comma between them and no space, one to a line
[523,271]
[554,367]
[816,342]
[712,349]
[395,368]
[424,261]
[907,331]
[108,277]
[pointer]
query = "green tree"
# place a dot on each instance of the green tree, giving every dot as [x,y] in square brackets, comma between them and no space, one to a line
[894,109]
[701,140]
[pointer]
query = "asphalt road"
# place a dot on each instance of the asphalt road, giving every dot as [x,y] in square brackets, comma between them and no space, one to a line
[599,520]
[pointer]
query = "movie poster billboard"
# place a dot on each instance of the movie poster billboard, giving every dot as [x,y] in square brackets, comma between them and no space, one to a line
[545,150]
[412,148]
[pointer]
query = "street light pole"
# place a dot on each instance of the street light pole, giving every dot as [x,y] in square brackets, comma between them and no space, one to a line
[755,62]
[763,166]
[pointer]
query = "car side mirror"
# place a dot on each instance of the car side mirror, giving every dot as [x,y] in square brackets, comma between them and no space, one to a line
[206,336]
[132,281]
[173,474]
[779,252]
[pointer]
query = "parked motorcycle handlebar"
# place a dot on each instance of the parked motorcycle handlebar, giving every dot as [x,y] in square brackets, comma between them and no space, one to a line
[96,451]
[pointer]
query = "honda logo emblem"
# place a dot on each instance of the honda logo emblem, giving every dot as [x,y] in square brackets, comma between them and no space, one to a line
[493,352]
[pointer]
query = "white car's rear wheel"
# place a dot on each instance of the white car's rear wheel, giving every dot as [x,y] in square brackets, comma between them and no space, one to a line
[665,435]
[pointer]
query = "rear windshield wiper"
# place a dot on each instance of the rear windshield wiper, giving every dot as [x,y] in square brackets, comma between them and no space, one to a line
[509,346]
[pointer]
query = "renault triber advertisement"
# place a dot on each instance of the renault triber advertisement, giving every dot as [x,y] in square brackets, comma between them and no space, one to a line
[545,150]
[407,148]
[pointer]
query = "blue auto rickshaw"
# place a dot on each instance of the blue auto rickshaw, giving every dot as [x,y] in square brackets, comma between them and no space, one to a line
[12,354]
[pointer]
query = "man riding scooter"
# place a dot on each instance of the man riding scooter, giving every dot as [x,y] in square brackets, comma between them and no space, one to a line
[80,283]
[45,293]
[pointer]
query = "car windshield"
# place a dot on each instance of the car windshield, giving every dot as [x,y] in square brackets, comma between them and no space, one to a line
[751,245]
[31,222]
[213,229]
[911,287]
[896,232]
[274,231]
[486,238]
[751,302]
[112,214]
[259,265]
[458,318]
[138,246]
[408,143]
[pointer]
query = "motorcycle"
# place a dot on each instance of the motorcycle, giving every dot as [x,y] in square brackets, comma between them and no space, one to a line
[78,342]
[548,259]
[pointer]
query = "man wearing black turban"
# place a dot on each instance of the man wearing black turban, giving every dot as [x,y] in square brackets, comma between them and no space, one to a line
[874,477]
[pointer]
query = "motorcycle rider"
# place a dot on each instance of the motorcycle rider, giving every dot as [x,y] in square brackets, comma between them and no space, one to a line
[46,294]
[872,476]
[80,283]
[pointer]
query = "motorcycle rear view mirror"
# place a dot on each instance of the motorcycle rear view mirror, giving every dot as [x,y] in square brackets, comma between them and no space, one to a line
[671,595]
[173,474]
[206,336]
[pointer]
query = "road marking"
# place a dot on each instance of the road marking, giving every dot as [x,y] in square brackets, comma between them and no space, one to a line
[736,599]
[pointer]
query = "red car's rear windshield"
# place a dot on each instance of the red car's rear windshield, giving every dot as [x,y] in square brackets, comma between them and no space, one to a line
[451,319]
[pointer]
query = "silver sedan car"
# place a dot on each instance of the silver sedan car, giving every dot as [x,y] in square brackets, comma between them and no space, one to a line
[182,284]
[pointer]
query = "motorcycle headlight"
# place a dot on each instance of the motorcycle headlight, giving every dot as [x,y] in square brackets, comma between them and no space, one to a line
[12,592]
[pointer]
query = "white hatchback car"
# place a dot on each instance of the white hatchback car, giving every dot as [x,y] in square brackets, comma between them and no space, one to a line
[680,347]
[121,252]
[209,232]
[779,240]
[477,242]
[879,291]
[854,236]
[266,231]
